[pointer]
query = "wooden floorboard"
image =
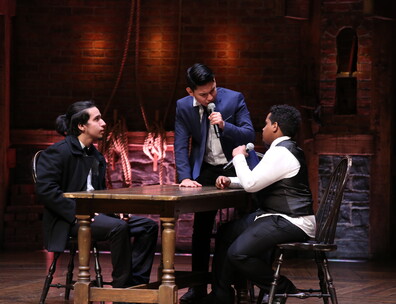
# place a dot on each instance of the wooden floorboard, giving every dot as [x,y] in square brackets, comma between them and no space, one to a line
[22,276]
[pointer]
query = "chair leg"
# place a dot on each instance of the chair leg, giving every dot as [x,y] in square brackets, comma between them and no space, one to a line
[98,269]
[69,275]
[329,279]
[325,278]
[48,279]
[274,283]
[321,275]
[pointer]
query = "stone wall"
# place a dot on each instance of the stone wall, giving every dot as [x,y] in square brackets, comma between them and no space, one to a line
[352,235]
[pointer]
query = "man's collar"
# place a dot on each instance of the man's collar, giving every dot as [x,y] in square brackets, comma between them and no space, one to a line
[195,102]
[279,139]
[82,145]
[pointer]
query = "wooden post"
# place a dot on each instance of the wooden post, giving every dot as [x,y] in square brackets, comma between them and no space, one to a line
[168,288]
[7,10]
[81,288]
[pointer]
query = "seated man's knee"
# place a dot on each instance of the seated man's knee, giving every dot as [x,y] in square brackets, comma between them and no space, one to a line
[235,256]
[152,227]
[121,227]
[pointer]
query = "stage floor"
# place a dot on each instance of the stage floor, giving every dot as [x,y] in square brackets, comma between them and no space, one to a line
[22,276]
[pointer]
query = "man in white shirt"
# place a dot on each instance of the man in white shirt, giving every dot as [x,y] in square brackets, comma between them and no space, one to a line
[244,248]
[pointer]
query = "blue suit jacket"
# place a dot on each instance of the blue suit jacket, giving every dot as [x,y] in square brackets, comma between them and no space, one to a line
[238,130]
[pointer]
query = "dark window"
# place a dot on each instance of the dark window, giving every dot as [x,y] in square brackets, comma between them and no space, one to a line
[347,51]
[346,82]
[346,95]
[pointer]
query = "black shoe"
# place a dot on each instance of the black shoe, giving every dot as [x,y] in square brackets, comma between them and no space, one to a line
[289,287]
[209,299]
[193,294]
[212,299]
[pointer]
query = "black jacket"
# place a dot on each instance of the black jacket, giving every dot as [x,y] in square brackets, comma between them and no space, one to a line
[63,167]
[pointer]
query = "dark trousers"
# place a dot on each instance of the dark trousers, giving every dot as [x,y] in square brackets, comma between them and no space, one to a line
[131,264]
[244,250]
[145,233]
[203,221]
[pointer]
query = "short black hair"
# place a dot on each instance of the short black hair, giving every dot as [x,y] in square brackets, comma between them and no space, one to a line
[287,117]
[77,114]
[199,74]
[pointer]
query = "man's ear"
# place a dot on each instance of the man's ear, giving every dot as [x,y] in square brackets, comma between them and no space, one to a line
[189,91]
[81,127]
[275,127]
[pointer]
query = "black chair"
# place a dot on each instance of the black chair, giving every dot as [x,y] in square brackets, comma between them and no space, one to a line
[326,221]
[72,246]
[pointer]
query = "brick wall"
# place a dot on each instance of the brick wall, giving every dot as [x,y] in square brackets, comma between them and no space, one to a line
[67,51]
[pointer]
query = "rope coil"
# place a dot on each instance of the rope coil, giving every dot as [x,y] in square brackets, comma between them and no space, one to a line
[155,142]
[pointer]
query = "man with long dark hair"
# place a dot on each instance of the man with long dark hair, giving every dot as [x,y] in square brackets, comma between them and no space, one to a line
[74,164]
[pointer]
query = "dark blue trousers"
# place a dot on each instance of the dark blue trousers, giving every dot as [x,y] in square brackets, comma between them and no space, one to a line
[244,250]
[145,233]
[131,259]
[204,221]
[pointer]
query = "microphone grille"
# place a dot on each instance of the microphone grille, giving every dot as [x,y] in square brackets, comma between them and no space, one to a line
[211,106]
[249,147]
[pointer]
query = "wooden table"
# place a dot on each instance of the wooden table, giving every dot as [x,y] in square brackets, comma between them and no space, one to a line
[166,200]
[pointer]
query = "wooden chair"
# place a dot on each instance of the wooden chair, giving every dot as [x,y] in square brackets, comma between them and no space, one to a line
[326,221]
[72,246]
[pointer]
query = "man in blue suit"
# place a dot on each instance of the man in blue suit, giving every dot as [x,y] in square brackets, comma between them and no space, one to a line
[213,133]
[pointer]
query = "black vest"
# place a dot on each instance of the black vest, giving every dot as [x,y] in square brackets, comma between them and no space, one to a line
[290,196]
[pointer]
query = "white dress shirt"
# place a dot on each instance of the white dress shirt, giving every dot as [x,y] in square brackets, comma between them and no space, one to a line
[89,177]
[214,154]
[277,163]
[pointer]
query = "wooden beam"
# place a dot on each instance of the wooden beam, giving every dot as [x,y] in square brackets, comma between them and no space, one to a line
[47,137]
[7,10]
[359,144]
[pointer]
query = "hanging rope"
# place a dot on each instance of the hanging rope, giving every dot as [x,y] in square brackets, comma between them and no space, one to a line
[115,147]
[124,56]
[179,30]
[151,146]
[155,143]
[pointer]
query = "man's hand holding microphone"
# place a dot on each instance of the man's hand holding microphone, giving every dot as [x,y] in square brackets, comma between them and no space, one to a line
[223,182]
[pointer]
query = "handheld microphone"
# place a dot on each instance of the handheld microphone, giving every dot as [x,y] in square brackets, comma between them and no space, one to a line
[249,147]
[211,107]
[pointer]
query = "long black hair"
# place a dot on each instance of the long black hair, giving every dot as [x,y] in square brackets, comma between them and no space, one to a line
[67,124]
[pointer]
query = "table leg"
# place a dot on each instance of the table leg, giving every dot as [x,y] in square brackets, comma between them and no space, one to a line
[81,288]
[168,288]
